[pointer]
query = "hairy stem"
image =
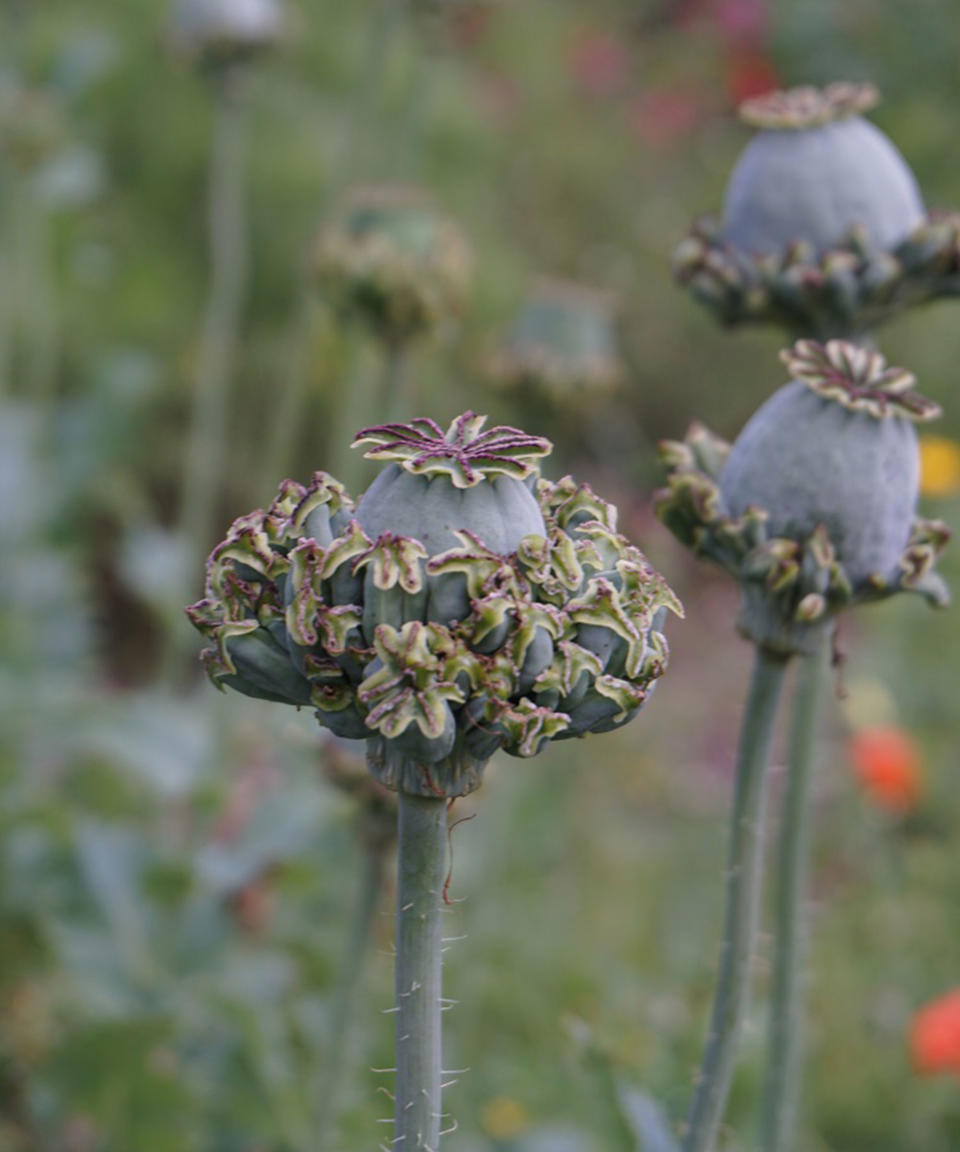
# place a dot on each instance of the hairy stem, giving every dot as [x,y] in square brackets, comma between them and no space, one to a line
[207,436]
[348,985]
[743,890]
[422,848]
[786,1037]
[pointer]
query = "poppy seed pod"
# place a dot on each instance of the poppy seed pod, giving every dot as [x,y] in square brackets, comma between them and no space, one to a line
[218,32]
[824,230]
[561,344]
[813,508]
[32,127]
[392,261]
[816,169]
[460,607]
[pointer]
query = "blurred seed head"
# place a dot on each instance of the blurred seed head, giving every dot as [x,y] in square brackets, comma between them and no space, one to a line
[219,32]
[391,261]
[562,343]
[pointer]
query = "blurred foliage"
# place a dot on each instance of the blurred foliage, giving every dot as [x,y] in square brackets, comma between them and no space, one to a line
[175,876]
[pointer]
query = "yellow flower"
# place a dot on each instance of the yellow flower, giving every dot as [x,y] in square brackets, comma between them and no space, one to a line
[939,466]
[504,1118]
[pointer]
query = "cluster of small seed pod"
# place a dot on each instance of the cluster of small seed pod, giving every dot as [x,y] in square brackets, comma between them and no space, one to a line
[562,344]
[215,33]
[824,230]
[814,508]
[497,611]
[392,261]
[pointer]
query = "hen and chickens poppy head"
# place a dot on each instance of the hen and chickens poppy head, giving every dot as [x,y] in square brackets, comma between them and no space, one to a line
[464,604]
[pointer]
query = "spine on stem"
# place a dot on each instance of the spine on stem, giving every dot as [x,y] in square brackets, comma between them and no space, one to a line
[744,885]
[784,1069]
[422,830]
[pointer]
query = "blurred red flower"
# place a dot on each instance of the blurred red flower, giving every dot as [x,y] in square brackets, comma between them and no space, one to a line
[742,21]
[749,72]
[661,116]
[935,1036]
[887,766]
[599,64]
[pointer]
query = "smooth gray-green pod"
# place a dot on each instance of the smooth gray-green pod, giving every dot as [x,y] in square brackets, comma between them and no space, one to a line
[808,460]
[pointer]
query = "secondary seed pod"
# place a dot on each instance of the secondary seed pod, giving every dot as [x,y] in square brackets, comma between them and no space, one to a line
[816,169]
[31,126]
[562,344]
[460,607]
[814,506]
[217,32]
[392,261]
[824,230]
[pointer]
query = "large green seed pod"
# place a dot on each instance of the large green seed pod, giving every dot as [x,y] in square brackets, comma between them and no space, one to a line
[218,32]
[814,506]
[814,171]
[462,606]
[392,261]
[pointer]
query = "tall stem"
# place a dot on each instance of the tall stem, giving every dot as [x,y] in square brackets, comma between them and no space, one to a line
[7,280]
[422,847]
[206,447]
[351,411]
[35,291]
[743,891]
[397,396]
[786,1037]
[348,985]
[287,414]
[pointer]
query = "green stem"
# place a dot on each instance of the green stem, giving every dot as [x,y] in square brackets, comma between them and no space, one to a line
[206,447]
[743,890]
[422,845]
[37,295]
[397,397]
[348,985]
[287,422]
[7,279]
[784,1067]
[352,412]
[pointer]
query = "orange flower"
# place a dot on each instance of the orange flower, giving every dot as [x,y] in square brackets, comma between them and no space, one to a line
[887,765]
[935,1036]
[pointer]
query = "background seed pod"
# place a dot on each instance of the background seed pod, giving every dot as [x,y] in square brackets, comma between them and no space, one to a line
[392,261]
[220,31]
[562,343]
